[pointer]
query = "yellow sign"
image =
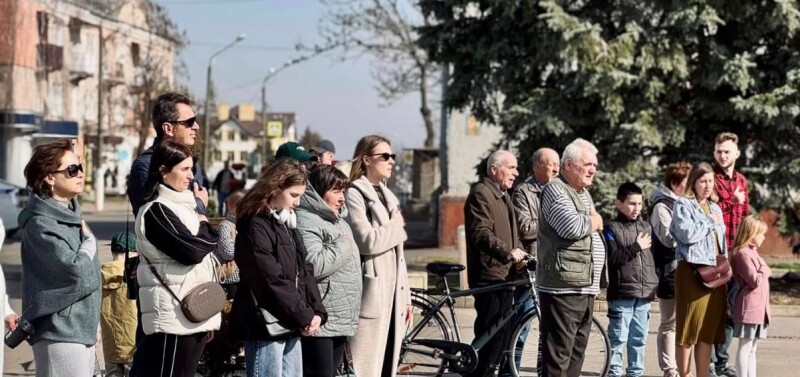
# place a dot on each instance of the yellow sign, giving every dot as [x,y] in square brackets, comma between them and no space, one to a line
[274,128]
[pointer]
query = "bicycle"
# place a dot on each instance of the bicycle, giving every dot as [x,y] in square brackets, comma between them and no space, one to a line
[433,344]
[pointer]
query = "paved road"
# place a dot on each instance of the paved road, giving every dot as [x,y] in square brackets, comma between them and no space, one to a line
[777,356]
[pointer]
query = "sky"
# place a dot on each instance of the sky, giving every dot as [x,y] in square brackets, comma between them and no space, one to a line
[336,99]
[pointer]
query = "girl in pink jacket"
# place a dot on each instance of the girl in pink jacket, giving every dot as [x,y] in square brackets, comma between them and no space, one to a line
[751,309]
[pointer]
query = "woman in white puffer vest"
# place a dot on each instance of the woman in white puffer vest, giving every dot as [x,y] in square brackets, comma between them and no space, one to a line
[177,241]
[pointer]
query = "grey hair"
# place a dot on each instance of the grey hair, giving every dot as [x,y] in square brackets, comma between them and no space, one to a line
[574,151]
[497,158]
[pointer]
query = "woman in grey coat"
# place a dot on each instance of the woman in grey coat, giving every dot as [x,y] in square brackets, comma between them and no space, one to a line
[61,290]
[337,267]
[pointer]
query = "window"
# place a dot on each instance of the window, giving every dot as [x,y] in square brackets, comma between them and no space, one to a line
[243,136]
[230,156]
[217,156]
[231,135]
[42,26]
[135,55]
[243,157]
[74,30]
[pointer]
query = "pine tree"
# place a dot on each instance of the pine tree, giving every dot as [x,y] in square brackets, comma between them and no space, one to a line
[649,82]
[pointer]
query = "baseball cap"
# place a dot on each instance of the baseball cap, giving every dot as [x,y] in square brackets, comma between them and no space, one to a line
[323,146]
[294,151]
[119,243]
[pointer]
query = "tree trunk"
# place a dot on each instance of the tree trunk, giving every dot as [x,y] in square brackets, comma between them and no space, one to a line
[144,120]
[425,110]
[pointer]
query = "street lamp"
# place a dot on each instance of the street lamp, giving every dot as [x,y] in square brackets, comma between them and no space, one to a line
[272,72]
[207,117]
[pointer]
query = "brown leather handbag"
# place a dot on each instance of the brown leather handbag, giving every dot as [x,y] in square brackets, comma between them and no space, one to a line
[714,276]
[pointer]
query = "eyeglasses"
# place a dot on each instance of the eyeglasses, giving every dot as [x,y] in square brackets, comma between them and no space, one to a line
[385,156]
[189,123]
[71,170]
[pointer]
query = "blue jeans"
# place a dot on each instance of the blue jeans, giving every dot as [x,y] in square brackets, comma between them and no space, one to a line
[273,358]
[519,293]
[719,354]
[628,322]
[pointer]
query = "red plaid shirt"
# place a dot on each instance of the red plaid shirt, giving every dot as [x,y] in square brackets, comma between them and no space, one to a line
[732,212]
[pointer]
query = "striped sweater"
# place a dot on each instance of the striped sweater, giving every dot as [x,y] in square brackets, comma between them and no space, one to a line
[559,211]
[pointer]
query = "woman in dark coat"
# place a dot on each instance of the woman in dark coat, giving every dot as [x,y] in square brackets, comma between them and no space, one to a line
[276,284]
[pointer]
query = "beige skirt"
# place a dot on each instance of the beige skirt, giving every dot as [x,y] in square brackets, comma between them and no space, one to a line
[699,311]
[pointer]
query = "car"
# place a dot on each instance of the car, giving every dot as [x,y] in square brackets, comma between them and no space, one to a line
[12,200]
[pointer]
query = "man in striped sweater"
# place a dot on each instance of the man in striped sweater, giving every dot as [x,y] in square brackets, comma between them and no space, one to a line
[570,259]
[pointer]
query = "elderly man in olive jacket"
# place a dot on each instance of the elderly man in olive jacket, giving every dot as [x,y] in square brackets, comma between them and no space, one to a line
[492,247]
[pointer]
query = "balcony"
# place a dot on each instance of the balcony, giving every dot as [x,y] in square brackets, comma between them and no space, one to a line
[81,66]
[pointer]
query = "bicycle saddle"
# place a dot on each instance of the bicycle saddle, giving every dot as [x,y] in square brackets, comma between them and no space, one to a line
[442,269]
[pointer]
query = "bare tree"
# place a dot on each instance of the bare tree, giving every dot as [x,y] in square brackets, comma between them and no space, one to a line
[384,29]
[151,77]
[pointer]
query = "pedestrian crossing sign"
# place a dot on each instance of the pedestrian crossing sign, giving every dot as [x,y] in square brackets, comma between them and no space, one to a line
[275,128]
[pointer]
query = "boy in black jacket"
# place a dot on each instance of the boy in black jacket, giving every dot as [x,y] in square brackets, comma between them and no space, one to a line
[632,281]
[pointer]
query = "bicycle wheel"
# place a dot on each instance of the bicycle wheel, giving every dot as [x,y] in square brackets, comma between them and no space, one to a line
[524,361]
[596,358]
[598,352]
[426,324]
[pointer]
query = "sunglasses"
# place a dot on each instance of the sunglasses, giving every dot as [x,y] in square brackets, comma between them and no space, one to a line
[71,170]
[385,156]
[187,122]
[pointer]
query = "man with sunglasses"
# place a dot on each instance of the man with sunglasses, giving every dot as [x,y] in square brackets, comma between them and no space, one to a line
[173,118]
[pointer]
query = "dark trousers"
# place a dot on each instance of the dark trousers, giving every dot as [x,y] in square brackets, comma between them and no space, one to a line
[167,355]
[720,356]
[221,207]
[491,307]
[566,321]
[230,290]
[321,355]
[388,359]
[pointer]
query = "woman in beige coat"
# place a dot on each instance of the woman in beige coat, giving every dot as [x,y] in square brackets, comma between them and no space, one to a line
[378,228]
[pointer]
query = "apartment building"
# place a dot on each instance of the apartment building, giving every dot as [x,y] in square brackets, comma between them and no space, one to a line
[77,68]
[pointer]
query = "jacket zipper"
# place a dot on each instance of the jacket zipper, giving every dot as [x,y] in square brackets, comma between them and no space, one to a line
[297,262]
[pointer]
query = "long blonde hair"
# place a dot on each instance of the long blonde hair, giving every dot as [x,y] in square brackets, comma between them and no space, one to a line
[365,146]
[750,227]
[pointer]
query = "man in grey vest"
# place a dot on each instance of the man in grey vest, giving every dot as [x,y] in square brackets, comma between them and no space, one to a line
[570,258]
[492,248]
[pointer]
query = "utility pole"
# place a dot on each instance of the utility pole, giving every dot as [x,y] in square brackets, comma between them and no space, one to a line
[443,131]
[207,110]
[265,147]
[97,179]
[272,72]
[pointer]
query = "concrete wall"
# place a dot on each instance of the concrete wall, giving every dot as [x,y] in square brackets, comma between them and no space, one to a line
[468,142]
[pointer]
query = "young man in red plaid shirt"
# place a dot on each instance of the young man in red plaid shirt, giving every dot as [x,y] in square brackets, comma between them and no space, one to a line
[731,188]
